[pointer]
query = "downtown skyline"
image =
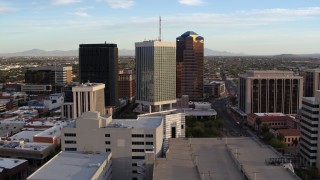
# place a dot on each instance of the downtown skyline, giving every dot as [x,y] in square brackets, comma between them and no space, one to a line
[256,28]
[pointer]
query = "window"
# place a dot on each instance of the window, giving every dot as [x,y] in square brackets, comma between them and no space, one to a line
[137,150]
[70,134]
[149,143]
[149,149]
[107,135]
[137,143]
[134,164]
[70,149]
[70,142]
[149,135]
[182,126]
[137,157]
[107,142]
[137,135]
[108,150]
[134,171]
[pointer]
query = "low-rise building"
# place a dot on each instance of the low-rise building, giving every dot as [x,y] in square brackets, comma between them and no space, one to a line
[13,168]
[128,140]
[273,120]
[214,89]
[76,165]
[54,101]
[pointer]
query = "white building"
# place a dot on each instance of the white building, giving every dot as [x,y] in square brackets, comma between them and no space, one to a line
[156,74]
[88,97]
[54,101]
[309,148]
[75,166]
[128,140]
[174,125]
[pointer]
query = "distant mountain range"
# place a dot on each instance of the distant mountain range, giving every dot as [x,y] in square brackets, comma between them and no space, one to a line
[128,52]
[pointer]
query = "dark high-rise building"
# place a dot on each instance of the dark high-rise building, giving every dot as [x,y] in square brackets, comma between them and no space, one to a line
[189,58]
[98,63]
[311,82]
[49,75]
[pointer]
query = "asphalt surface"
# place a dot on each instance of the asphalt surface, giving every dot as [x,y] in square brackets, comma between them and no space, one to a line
[232,122]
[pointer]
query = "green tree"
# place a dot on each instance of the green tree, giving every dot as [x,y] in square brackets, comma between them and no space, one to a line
[280,137]
[264,128]
[258,123]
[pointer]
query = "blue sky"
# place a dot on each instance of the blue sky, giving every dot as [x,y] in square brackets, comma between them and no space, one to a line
[247,26]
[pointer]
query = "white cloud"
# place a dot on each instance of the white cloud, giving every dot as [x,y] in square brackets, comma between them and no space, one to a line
[81,14]
[120,4]
[191,2]
[64,2]
[5,9]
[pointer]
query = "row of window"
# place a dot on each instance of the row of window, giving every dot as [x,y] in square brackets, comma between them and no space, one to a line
[136,135]
[70,142]
[70,134]
[70,149]
[141,143]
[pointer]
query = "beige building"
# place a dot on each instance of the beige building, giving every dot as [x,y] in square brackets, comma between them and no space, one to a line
[174,125]
[128,140]
[270,91]
[156,74]
[75,166]
[88,97]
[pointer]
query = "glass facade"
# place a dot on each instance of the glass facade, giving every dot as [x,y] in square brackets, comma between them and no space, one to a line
[189,66]
[98,63]
[155,72]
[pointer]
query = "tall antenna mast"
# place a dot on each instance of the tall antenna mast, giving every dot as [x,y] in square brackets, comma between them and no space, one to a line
[159,28]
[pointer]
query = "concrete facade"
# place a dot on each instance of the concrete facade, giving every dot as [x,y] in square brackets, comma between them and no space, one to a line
[88,97]
[128,140]
[311,82]
[270,91]
[156,75]
[309,148]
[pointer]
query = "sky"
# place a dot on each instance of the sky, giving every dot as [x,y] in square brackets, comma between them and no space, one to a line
[256,27]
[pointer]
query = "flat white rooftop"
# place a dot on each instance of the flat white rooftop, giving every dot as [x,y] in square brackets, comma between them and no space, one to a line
[70,166]
[140,123]
[26,135]
[9,163]
[199,112]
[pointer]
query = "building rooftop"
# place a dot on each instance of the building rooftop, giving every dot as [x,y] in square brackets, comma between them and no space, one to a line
[215,160]
[188,33]
[70,166]
[269,74]
[26,135]
[140,123]
[199,112]
[289,132]
[97,45]
[9,163]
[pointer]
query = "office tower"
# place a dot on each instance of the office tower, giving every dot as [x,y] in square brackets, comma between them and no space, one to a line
[49,75]
[88,97]
[270,91]
[311,82]
[126,84]
[309,149]
[190,65]
[156,74]
[130,141]
[98,63]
